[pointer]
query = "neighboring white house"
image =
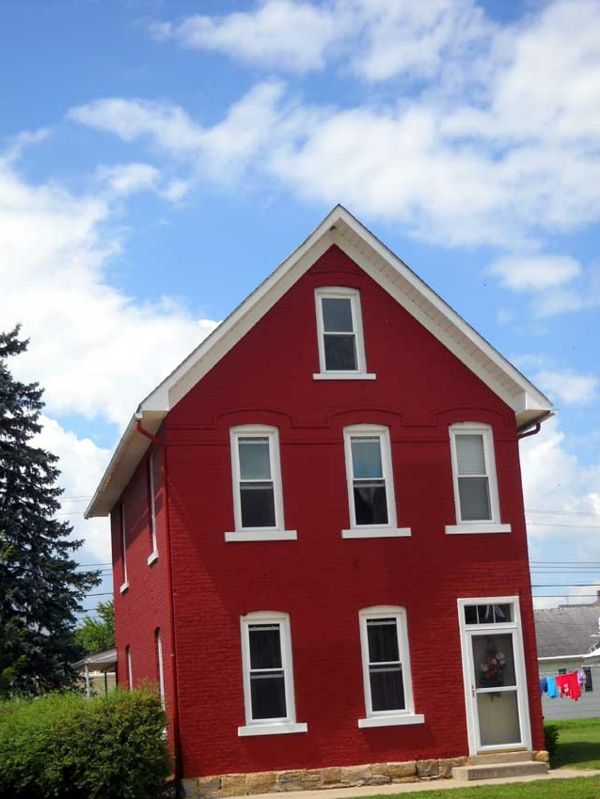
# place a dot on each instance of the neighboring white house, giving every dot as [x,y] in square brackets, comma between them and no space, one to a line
[568,639]
[98,672]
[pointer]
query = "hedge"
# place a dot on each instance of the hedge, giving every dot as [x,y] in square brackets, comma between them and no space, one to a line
[63,745]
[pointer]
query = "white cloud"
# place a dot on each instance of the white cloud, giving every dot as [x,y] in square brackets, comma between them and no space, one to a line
[125,179]
[535,272]
[283,34]
[94,349]
[568,386]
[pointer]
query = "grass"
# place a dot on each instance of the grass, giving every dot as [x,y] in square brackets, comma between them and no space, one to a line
[578,744]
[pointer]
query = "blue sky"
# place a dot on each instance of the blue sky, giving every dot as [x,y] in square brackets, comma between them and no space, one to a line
[157,160]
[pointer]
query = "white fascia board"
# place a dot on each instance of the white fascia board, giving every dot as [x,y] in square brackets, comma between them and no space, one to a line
[560,657]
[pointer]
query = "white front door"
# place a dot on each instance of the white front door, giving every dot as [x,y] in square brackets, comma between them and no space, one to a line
[494,674]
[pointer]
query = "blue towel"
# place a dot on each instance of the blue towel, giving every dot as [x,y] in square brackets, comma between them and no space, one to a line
[543,685]
[552,689]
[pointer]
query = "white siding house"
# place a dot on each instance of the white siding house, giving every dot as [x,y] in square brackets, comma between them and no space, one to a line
[568,639]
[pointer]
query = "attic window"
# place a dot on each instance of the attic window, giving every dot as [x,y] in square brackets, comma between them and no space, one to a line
[340,335]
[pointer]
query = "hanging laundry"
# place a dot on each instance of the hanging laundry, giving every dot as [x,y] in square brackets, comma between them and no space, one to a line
[552,689]
[581,679]
[543,685]
[568,686]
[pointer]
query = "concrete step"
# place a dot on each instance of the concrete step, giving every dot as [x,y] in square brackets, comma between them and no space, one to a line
[519,756]
[499,770]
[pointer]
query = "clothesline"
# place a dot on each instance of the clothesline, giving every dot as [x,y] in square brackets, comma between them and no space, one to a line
[567,685]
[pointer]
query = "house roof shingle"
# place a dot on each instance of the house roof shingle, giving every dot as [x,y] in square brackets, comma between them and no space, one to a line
[567,630]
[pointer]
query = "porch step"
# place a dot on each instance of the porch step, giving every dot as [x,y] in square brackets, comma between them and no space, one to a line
[493,771]
[519,756]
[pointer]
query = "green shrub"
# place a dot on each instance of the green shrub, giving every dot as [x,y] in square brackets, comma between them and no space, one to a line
[63,745]
[551,733]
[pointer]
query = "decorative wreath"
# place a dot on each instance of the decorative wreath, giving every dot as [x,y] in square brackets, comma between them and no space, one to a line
[492,667]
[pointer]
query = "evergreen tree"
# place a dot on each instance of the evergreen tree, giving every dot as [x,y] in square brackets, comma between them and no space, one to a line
[41,589]
[96,635]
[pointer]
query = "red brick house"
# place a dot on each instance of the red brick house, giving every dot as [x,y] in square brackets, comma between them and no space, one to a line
[318,532]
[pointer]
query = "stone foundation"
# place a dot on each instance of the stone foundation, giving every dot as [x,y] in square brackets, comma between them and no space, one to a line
[374,774]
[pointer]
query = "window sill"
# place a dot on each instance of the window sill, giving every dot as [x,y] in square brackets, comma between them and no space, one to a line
[392,721]
[377,532]
[152,557]
[476,527]
[263,535]
[344,376]
[274,728]
[124,588]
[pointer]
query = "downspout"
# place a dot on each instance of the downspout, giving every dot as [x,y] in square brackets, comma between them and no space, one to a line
[176,737]
[534,431]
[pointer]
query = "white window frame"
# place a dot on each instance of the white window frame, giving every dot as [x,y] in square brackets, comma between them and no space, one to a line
[391,529]
[388,718]
[494,524]
[278,531]
[153,556]
[270,726]
[125,585]
[360,373]
[129,667]
[160,665]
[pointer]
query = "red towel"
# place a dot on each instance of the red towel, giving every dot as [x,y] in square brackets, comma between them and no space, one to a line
[568,686]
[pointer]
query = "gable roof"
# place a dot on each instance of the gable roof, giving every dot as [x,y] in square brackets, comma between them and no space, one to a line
[342,229]
[567,630]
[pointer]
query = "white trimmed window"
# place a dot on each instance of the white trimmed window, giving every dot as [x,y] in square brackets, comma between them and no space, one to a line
[129,668]
[153,556]
[386,668]
[268,675]
[340,334]
[474,478]
[123,531]
[257,491]
[370,483]
[160,667]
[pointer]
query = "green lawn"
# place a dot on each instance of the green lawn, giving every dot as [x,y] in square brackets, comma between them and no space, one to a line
[578,743]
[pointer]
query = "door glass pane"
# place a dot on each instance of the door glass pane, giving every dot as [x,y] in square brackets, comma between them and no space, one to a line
[370,504]
[474,499]
[267,694]
[498,718]
[258,505]
[382,635]
[366,457]
[265,646]
[254,459]
[493,660]
[337,315]
[470,454]
[387,690]
[340,353]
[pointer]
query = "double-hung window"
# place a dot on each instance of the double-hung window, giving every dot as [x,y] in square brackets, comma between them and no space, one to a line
[257,490]
[386,668]
[474,478]
[268,675]
[340,334]
[370,483]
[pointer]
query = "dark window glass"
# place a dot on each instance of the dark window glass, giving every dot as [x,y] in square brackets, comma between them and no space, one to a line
[337,315]
[382,635]
[370,504]
[589,686]
[488,614]
[502,613]
[471,614]
[387,690]
[258,504]
[562,671]
[340,352]
[267,692]
[474,499]
[267,679]
[265,646]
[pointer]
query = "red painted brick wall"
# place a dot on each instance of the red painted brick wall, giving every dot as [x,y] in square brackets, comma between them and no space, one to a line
[321,580]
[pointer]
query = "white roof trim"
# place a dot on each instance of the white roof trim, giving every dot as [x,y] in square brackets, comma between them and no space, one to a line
[341,228]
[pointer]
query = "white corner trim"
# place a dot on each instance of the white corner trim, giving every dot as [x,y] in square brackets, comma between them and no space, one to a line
[125,587]
[273,728]
[476,527]
[152,557]
[377,532]
[344,376]
[393,720]
[263,535]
